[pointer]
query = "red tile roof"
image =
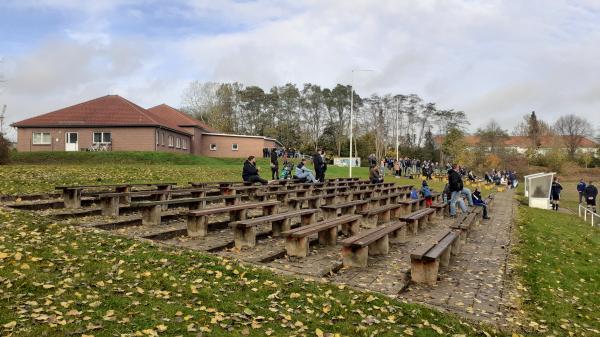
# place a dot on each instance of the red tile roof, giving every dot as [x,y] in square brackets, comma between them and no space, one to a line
[110,110]
[177,117]
[523,142]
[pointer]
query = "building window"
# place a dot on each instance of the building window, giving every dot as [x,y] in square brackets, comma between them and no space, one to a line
[170,141]
[157,138]
[234,147]
[184,144]
[213,147]
[41,138]
[178,143]
[162,138]
[102,137]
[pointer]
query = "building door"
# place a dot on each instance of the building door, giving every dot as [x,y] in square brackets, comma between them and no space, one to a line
[72,141]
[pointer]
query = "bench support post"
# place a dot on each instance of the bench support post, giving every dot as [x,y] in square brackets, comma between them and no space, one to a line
[328,237]
[355,256]
[280,226]
[398,236]
[125,199]
[72,198]
[380,247]
[297,247]
[445,257]
[238,215]
[329,213]
[244,236]
[151,215]
[424,271]
[308,219]
[197,226]
[110,206]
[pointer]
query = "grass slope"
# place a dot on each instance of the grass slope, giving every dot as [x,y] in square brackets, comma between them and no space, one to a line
[560,273]
[58,280]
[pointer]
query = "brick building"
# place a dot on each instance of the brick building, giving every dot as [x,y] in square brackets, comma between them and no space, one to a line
[112,123]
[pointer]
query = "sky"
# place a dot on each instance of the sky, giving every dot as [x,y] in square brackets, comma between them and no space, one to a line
[493,59]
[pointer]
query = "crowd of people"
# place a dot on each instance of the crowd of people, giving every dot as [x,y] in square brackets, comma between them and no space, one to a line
[250,172]
[453,191]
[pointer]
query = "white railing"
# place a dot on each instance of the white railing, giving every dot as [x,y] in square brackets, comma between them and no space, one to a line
[588,213]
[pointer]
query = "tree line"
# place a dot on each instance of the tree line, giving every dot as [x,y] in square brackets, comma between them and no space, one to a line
[309,117]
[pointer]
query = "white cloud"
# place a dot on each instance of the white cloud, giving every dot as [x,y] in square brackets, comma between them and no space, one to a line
[493,58]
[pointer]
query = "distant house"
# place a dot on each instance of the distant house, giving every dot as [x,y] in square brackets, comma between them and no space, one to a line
[112,123]
[520,144]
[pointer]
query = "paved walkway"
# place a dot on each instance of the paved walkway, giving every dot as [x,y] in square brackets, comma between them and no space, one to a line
[474,283]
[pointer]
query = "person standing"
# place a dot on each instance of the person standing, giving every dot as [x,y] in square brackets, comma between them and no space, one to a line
[318,165]
[591,192]
[456,189]
[274,165]
[581,190]
[426,192]
[250,172]
[555,193]
[324,165]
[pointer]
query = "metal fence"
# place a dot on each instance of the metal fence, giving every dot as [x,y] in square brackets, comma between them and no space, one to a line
[588,215]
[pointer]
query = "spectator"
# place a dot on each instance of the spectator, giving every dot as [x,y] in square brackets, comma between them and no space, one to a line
[591,192]
[397,168]
[555,193]
[274,166]
[318,164]
[478,201]
[374,175]
[456,188]
[324,165]
[426,192]
[250,172]
[305,174]
[581,190]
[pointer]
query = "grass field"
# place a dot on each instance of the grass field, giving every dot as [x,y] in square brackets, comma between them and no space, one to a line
[559,269]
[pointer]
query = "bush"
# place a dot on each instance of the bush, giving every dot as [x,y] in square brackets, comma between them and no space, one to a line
[4,150]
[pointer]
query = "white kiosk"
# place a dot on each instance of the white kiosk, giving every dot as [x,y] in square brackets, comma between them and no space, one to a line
[537,189]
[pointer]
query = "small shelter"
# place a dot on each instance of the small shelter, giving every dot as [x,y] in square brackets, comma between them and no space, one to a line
[537,189]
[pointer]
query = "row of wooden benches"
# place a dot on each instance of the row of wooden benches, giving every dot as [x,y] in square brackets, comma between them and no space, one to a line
[427,260]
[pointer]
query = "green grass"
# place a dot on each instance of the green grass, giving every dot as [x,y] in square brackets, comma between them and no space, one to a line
[58,280]
[559,269]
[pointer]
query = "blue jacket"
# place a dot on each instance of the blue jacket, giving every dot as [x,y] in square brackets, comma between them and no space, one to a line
[581,187]
[426,191]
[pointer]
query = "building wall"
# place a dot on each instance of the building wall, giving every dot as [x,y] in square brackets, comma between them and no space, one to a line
[246,146]
[123,139]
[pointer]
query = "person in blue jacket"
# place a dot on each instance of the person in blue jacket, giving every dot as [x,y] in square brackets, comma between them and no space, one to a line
[478,201]
[581,190]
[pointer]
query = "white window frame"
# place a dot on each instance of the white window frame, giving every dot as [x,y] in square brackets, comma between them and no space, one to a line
[235,147]
[40,140]
[178,143]
[157,138]
[162,139]
[212,147]
[171,140]
[102,133]
[184,144]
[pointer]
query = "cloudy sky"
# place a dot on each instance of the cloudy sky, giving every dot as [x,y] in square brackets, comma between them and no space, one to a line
[491,58]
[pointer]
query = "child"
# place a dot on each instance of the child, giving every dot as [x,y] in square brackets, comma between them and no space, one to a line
[414,194]
[426,192]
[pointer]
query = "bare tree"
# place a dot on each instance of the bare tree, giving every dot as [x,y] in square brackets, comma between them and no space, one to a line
[573,130]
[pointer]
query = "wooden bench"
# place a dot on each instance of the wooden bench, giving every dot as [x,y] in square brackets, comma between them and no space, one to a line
[345,208]
[72,194]
[109,202]
[197,221]
[151,210]
[441,209]
[296,240]
[386,199]
[426,260]
[376,241]
[381,214]
[416,219]
[244,231]
[409,205]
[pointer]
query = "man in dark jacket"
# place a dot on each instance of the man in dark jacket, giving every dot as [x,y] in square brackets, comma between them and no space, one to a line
[456,186]
[581,190]
[591,192]
[250,172]
[274,165]
[318,164]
